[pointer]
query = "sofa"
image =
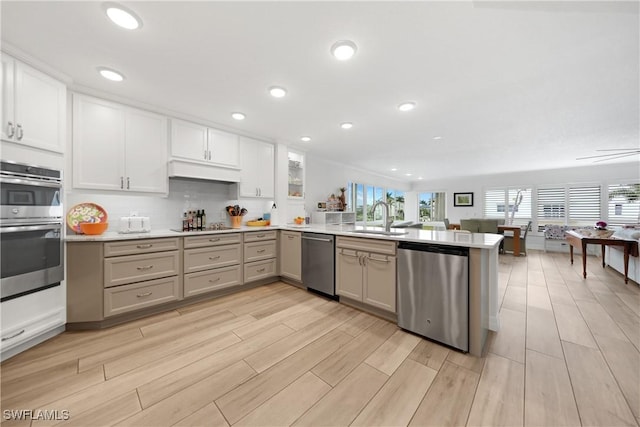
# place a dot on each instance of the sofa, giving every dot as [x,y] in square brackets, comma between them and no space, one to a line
[614,256]
[481,225]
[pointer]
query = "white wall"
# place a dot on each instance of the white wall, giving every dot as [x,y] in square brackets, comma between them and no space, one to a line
[601,173]
[325,177]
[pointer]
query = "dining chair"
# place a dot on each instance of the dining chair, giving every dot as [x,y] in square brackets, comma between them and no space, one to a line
[508,240]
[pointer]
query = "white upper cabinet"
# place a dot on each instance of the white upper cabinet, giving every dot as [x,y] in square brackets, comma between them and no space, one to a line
[33,107]
[196,142]
[118,148]
[257,160]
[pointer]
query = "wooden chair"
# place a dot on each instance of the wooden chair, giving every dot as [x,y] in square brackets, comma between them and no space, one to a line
[508,241]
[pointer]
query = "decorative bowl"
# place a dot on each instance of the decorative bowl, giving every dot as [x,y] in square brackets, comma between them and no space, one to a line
[298,220]
[93,228]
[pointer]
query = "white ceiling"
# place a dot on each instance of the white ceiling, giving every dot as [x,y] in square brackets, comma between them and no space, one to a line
[509,86]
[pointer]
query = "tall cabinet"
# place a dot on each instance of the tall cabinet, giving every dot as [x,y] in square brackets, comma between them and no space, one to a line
[257,177]
[117,147]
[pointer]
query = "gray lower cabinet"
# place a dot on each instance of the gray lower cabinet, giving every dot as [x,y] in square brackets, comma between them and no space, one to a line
[291,254]
[212,263]
[260,252]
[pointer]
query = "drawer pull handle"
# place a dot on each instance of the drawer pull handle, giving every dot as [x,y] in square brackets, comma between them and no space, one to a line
[214,257]
[260,236]
[147,246]
[260,270]
[145,267]
[261,250]
[217,279]
[289,237]
[14,335]
[215,240]
[146,294]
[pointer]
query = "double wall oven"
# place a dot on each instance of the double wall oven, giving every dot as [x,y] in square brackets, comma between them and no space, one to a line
[30,229]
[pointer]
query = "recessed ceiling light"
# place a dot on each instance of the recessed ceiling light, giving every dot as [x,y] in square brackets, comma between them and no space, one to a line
[110,74]
[238,116]
[343,50]
[394,169]
[407,106]
[408,174]
[419,177]
[346,125]
[437,137]
[277,91]
[305,139]
[122,16]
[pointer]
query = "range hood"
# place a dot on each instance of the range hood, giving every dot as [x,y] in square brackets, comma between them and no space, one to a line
[184,169]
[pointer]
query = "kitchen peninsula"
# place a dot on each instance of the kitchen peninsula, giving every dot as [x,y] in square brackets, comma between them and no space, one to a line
[113,278]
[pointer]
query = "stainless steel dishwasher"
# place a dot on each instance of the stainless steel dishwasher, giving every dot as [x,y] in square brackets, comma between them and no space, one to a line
[318,263]
[433,292]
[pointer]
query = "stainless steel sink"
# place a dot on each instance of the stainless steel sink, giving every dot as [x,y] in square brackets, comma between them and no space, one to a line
[381,232]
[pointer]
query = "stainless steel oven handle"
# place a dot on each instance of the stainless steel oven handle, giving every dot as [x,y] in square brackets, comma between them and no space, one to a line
[26,181]
[21,228]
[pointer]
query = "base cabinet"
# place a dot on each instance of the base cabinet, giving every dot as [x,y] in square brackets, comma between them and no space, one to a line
[260,255]
[212,263]
[291,254]
[366,271]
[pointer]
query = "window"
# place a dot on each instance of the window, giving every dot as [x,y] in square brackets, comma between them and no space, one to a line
[431,206]
[624,204]
[362,197]
[508,203]
[568,205]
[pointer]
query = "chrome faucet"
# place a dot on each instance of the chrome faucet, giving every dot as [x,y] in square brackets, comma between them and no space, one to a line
[387,219]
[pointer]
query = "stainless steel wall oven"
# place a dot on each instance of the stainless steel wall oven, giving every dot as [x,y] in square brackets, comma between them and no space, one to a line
[31,245]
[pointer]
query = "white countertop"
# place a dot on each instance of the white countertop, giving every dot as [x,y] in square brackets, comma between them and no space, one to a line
[452,238]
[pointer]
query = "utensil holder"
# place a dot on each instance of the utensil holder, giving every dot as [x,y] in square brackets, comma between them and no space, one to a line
[236,221]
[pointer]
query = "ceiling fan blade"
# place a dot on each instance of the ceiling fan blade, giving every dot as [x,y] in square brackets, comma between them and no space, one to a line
[610,155]
[616,157]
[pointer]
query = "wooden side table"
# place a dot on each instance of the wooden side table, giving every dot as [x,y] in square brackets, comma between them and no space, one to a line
[516,236]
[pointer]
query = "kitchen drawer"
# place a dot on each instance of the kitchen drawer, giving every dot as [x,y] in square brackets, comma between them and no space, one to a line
[371,245]
[212,280]
[142,246]
[212,240]
[208,258]
[122,299]
[135,268]
[31,328]
[257,251]
[256,236]
[259,270]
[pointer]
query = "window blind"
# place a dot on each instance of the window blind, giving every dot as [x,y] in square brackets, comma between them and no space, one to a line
[494,204]
[584,204]
[551,207]
[624,204]
[524,209]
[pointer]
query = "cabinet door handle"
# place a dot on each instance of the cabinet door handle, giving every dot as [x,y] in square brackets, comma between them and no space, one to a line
[378,259]
[128,183]
[146,294]
[209,154]
[214,257]
[217,279]
[205,154]
[215,240]
[259,236]
[14,335]
[19,131]
[260,250]
[145,267]
[289,237]
[11,130]
[147,246]
[122,182]
[260,270]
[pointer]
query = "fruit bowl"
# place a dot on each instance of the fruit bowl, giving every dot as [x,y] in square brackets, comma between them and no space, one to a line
[298,220]
[93,228]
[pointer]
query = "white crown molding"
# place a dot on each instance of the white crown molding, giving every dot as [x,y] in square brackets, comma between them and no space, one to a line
[19,54]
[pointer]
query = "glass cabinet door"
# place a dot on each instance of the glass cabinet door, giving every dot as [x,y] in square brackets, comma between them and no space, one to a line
[296,175]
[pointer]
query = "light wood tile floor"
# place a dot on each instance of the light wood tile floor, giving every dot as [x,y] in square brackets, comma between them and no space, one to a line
[568,354]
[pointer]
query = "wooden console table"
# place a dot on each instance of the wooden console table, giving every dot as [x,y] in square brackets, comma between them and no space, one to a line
[516,236]
[581,241]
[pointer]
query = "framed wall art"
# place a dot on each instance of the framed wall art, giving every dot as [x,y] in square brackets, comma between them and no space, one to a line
[462,199]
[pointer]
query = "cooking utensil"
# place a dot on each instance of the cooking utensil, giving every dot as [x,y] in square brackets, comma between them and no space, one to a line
[243,212]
